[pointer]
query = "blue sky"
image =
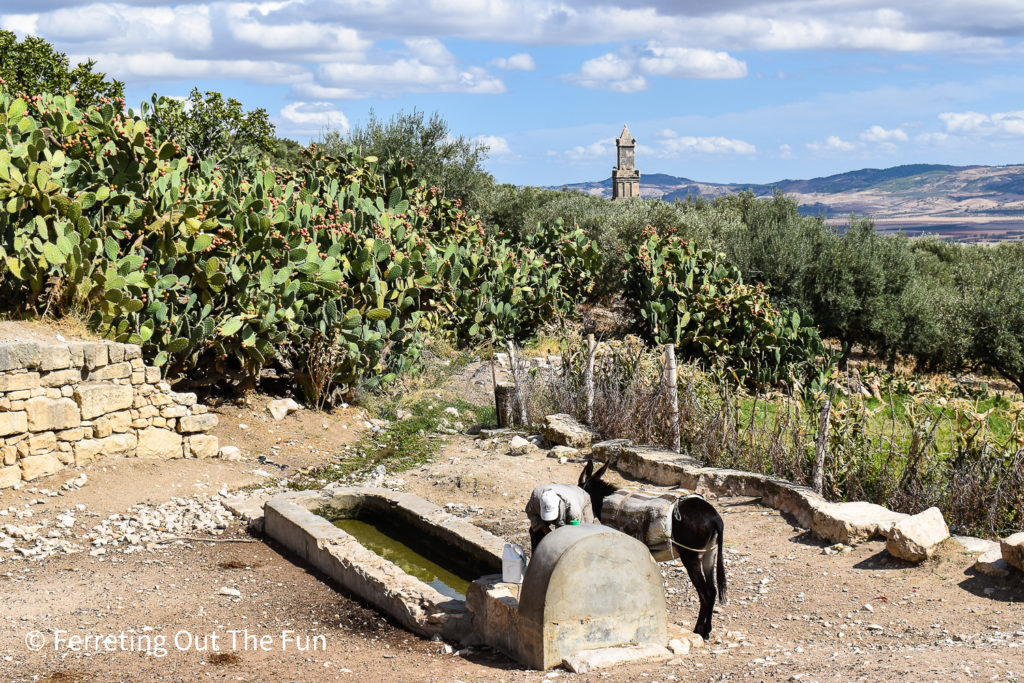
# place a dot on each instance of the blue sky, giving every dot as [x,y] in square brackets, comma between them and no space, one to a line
[732,91]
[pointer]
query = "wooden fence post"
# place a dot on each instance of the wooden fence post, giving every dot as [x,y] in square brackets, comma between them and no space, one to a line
[520,390]
[671,385]
[588,378]
[821,448]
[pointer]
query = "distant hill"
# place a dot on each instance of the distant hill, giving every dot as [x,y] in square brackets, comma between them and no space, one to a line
[948,199]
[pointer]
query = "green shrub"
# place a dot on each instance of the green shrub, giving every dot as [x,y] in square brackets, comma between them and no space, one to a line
[693,298]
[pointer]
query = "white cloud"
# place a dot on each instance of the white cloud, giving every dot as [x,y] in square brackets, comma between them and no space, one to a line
[21,24]
[785,151]
[430,51]
[148,66]
[681,62]
[933,138]
[878,134]
[496,146]
[312,117]
[624,71]
[673,145]
[972,123]
[595,150]
[833,143]
[407,75]
[302,36]
[521,61]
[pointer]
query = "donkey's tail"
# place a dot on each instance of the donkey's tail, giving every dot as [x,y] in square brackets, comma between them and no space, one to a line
[721,563]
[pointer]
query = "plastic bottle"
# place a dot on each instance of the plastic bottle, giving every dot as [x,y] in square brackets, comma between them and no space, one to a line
[513,563]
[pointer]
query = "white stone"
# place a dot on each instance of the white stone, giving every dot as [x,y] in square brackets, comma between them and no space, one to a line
[854,522]
[1013,550]
[45,414]
[197,423]
[520,446]
[991,563]
[282,407]
[975,545]
[230,453]
[563,452]
[158,443]
[586,661]
[915,538]
[99,398]
[202,445]
[39,466]
[564,430]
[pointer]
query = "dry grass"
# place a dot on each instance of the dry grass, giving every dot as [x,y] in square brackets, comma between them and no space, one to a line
[914,456]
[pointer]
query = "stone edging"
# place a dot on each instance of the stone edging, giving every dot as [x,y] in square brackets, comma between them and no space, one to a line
[847,523]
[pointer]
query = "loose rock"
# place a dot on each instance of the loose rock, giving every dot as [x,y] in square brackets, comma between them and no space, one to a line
[915,538]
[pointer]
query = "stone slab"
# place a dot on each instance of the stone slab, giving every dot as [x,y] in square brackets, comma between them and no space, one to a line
[1013,550]
[495,608]
[975,545]
[202,445]
[10,476]
[35,466]
[155,442]
[118,445]
[586,661]
[98,398]
[915,538]
[851,523]
[249,509]
[54,357]
[13,423]
[46,414]
[197,423]
[564,430]
[991,563]
[19,355]
[19,382]
[59,378]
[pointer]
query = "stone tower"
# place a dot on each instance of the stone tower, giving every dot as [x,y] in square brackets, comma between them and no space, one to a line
[625,177]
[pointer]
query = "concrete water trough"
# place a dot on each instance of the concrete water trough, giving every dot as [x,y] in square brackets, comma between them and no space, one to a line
[587,587]
[296,521]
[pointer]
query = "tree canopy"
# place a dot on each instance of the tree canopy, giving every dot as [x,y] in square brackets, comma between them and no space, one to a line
[32,67]
[452,163]
[212,127]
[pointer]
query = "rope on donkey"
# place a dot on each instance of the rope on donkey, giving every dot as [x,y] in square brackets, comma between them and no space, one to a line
[678,517]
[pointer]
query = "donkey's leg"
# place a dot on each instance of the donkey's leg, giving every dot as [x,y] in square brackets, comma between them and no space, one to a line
[708,566]
[693,568]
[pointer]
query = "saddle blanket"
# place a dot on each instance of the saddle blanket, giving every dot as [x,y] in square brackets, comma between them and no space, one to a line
[645,516]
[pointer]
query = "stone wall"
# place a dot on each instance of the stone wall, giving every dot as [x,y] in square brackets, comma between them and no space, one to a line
[67,403]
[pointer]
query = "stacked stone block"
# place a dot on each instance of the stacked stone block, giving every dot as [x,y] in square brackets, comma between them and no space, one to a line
[67,403]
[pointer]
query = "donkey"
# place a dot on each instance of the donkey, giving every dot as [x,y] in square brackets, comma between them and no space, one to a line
[697,535]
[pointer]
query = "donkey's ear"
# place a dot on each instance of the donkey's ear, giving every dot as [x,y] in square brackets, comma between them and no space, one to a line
[585,474]
[600,472]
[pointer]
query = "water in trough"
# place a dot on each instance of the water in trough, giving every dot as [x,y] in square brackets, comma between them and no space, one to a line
[411,553]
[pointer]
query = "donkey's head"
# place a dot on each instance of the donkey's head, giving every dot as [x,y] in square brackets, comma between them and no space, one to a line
[597,489]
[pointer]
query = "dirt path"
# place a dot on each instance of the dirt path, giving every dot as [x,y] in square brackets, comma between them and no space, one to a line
[796,613]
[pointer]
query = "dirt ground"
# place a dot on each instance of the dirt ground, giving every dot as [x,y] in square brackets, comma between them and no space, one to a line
[795,612]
